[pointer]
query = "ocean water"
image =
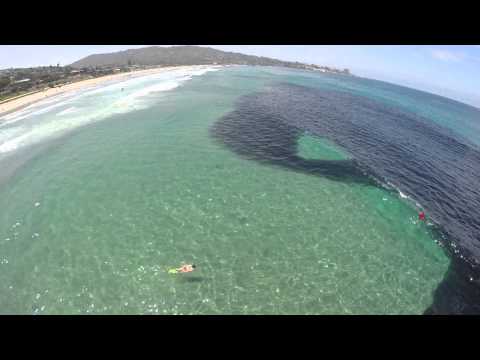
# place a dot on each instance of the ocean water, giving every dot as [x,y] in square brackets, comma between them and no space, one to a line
[292,192]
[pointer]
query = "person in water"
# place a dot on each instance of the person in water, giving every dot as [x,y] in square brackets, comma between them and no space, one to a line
[421,216]
[186,268]
[183,269]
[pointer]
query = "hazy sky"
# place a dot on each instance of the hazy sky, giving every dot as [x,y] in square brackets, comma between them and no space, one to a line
[452,71]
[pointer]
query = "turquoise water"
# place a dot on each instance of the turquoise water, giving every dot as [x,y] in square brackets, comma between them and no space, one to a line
[92,222]
[311,147]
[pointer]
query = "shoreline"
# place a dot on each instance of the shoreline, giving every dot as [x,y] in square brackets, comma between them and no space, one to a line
[22,101]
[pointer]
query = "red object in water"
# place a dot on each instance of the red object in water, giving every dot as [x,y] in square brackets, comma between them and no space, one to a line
[421,216]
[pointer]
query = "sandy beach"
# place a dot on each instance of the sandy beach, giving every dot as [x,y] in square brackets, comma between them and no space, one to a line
[23,101]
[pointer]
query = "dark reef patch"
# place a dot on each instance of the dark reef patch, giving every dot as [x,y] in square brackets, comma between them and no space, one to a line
[268,140]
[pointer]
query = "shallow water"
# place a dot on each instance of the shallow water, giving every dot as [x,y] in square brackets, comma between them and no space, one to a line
[92,222]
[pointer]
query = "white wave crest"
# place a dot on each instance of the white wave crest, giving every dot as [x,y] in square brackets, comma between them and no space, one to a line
[69,110]
[402,195]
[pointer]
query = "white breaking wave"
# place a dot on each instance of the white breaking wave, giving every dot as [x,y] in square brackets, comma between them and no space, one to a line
[402,195]
[31,110]
[37,123]
[11,133]
[69,110]
[164,86]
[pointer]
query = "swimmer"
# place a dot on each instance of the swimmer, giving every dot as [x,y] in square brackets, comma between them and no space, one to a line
[421,216]
[183,269]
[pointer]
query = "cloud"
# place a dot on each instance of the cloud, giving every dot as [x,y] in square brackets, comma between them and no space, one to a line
[448,56]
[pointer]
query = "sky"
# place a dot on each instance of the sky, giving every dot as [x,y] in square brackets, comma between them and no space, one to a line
[452,70]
